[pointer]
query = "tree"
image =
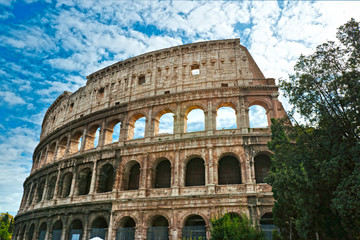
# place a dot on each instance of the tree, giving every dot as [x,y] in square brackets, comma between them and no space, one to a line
[6,226]
[233,227]
[315,171]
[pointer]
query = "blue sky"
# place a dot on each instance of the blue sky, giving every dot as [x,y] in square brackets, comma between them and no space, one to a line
[47,47]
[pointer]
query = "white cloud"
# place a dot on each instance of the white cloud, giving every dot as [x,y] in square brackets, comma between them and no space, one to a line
[10,98]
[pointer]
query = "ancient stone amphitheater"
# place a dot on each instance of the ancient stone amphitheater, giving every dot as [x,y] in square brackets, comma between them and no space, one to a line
[162,185]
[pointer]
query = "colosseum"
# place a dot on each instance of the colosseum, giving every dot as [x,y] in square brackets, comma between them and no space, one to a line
[97,174]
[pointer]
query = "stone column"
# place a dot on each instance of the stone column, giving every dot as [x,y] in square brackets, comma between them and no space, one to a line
[143,176]
[176,174]
[57,185]
[73,181]
[211,181]
[178,121]
[148,126]
[93,179]
[102,135]
[110,227]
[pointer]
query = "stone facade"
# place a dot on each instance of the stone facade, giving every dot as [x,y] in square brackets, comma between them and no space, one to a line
[76,187]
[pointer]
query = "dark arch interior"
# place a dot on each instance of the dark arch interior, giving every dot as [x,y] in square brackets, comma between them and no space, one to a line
[195,172]
[106,179]
[98,228]
[194,228]
[31,231]
[66,185]
[76,224]
[134,177]
[229,171]
[126,230]
[267,219]
[129,223]
[51,188]
[43,227]
[159,221]
[262,167]
[42,231]
[58,225]
[84,181]
[76,229]
[99,223]
[163,175]
[32,193]
[195,220]
[40,191]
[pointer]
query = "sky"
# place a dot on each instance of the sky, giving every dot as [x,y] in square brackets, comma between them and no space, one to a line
[47,47]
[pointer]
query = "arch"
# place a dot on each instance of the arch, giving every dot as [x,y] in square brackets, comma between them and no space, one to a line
[98,228]
[51,188]
[258,117]
[76,229]
[57,230]
[134,177]
[84,181]
[32,193]
[164,122]
[92,137]
[158,228]
[194,227]
[126,229]
[136,129]
[62,147]
[31,232]
[51,152]
[195,172]
[226,117]
[76,142]
[42,231]
[43,156]
[65,185]
[262,165]
[40,190]
[229,170]
[163,174]
[22,233]
[106,178]
[194,119]
[267,225]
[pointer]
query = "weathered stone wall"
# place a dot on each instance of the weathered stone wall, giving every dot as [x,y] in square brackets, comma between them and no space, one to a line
[148,86]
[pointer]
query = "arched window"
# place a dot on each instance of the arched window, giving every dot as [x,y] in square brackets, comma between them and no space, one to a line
[42,231]
[195,120]
[99,228]
[126,230]
[195,228]
[267,225]
[62,147]
[136,127]
[229,171]
[25,197]
[158,229]
[134,177]
[51,188]
[57,230]
[106,179]
[22,234]
[92,138]
[51,153]
[225,118]
[32,194]
[164,123]
[76,142]
[40,190]
[258,117]
[66,185]
[116,132]
[163,174]
[262,168]
[195,172]
[31,232]
[84,181]
[76,230]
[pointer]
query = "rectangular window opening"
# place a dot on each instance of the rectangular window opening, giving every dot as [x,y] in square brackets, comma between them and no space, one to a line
[195,69]
[141,79]
[224,85]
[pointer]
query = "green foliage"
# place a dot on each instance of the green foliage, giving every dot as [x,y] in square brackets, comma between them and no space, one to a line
[228,227]
[6,226]
[315,172]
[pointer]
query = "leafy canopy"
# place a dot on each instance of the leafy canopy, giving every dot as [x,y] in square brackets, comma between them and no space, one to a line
[6,226]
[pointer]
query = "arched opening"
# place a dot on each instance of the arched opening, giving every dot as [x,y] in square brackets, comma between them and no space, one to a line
[22,233]
[40,190]
[62,147]
[262,167]
[116,132]
[42,231]
[158,229]
[75,142]
[258,117]
[194,228]
[195,172]
[229,171]
[99,228]
[32,194]
[225,118]
[25,197]
[66,185]
[92,137]
[31,232]
[51,153]
[51,188]
[126,230]
[195,120]
[76,230]
[57,230]
[134,177]
[136,127]
[267,225]
[163,174]
[106,179]
[164,123]
[84,181]
[42,158]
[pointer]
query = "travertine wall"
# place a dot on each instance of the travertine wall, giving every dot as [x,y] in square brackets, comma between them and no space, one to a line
[148,86]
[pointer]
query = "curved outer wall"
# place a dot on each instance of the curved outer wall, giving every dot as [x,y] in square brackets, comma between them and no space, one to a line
[148,86]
